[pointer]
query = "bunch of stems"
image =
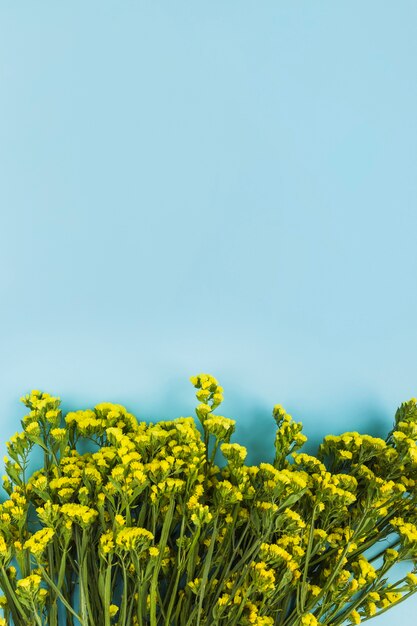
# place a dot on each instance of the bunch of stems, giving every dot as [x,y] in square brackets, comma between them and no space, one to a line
[132,524]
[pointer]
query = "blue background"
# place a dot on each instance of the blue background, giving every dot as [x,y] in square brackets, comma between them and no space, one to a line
[226,187]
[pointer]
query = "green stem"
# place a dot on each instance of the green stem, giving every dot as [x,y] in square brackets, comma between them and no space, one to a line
[36,614]
[206,571]
[107,592]
[303,593]
[162,544]
[123,607]
[12,599]
[53,609]
[59,594]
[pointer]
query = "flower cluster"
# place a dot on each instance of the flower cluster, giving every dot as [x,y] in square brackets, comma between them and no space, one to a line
[164,524]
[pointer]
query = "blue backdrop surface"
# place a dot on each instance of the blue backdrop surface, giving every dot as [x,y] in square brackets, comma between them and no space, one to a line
[226,187]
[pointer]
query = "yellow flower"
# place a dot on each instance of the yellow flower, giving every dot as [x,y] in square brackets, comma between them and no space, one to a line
[393,596]
[371,609]
[133,538]
[107,543]
[391,554]
[314,590]
[33,429]
[201,515]
[195,585]
[219,426]
[264,577]
[59,434]
[30,584]
[79,513]
[39,540]
[203,409]
[234,453]
[3,546]
[355,617]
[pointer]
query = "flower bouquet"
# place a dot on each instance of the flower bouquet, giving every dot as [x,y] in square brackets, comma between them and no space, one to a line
[129,523]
